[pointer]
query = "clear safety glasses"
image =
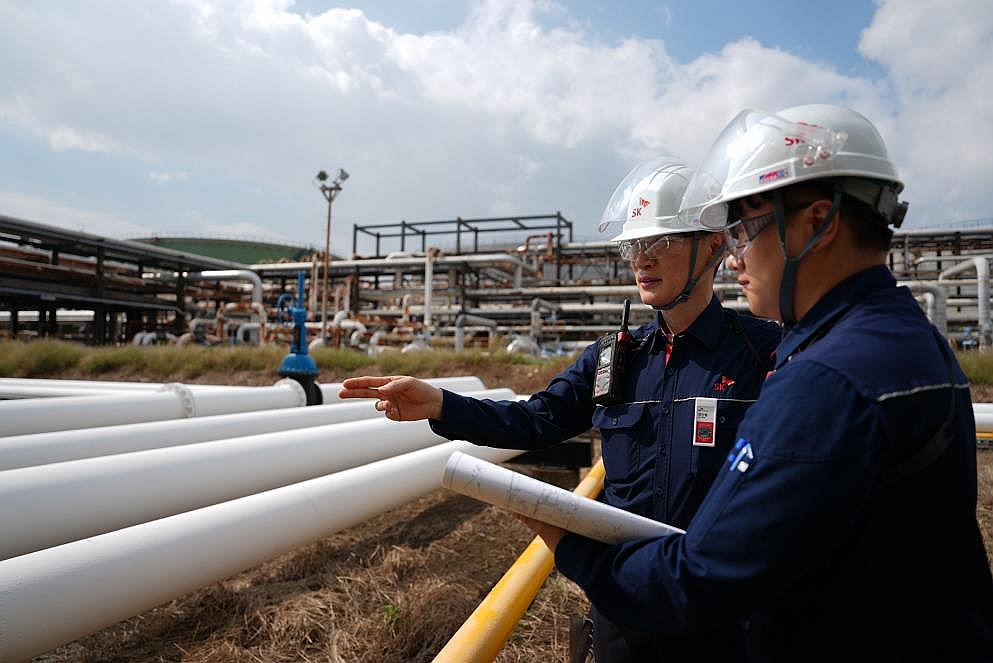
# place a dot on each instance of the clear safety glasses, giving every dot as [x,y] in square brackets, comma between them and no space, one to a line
[741,234]
[649,247]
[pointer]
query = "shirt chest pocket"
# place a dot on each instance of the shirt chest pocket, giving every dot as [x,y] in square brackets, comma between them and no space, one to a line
[623,432]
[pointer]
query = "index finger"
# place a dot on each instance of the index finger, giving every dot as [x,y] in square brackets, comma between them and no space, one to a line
[366,381]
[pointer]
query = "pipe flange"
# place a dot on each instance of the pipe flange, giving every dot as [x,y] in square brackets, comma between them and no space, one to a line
[297,388]
[186,397]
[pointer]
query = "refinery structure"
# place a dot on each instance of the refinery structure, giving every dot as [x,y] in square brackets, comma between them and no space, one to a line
[518,283]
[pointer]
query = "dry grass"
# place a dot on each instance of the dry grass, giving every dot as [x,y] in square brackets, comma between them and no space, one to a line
[258,365]
[984,505]
[392,589]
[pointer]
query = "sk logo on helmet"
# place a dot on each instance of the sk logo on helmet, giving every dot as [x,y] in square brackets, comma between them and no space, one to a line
[642,204]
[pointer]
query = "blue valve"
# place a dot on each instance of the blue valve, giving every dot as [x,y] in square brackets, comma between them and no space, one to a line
[298,365]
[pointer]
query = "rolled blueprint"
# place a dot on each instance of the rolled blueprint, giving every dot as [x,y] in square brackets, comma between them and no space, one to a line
[536,499]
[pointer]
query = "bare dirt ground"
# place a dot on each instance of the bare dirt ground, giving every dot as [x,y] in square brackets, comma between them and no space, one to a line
[392,589]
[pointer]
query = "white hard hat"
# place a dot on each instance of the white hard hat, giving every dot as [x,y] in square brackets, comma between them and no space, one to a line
[759,152]
[646,202]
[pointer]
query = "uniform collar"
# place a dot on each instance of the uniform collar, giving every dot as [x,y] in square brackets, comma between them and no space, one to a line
[831,306]
[708,328]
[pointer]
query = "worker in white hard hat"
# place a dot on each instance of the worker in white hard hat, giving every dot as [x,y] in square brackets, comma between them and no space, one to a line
[666,397]
[842,526]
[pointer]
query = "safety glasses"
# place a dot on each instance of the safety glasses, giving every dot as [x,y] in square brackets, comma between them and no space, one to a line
[743,232]
[649,247]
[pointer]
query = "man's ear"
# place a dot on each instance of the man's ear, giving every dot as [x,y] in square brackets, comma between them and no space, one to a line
[716,242]
[817,217]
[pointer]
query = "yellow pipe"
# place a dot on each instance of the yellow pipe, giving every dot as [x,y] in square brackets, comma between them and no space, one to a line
[984,436]
[483,635]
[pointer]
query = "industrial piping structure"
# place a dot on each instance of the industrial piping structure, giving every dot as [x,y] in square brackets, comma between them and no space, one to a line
[411,287]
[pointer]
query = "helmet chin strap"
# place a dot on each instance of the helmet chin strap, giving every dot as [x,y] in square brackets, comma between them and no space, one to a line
[691,280]
[787,286]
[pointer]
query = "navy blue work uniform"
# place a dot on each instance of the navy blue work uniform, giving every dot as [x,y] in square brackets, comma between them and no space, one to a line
[659,462]
[837,525]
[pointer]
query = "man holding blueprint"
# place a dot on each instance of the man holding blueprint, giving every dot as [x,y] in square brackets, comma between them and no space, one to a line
[667,397]
[842,523]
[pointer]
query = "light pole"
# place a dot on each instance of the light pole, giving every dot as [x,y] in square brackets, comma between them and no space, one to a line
[330,192]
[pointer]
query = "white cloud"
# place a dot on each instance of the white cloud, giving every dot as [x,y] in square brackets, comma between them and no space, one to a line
[66,138]
[161,177]
[501,115]
[940,59]
[41,210]
[243,230]
[202,224]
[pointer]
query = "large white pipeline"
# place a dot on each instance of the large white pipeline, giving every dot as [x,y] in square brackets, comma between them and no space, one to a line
[57,595]
[43,388]
[49,505]
[53,391]
[42,415]
[59,446]
[34,387]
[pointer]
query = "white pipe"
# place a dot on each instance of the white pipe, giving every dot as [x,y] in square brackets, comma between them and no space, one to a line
[222,274]
[984,421]
[244,329]
[196,322]
[17,392]
[504,260]
[537,305]
[172,402]
[938,301]
[358,331]
[48,505]
[982,267]
[374,341]
[54,596]
[428,287]
[91,386]
[43,448]
[463,319]
[143,338]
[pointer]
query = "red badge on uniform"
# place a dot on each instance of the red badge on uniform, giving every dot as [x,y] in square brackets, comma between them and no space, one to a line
[704,422]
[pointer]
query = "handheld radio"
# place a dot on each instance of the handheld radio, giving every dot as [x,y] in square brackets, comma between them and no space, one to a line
[612,357]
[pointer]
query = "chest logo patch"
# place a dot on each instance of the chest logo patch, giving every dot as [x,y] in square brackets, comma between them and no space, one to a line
[723,385]
[704,422]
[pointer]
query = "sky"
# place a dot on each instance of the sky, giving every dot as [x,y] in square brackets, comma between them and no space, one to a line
[211,118]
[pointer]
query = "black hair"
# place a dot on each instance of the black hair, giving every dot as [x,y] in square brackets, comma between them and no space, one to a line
[869,230]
